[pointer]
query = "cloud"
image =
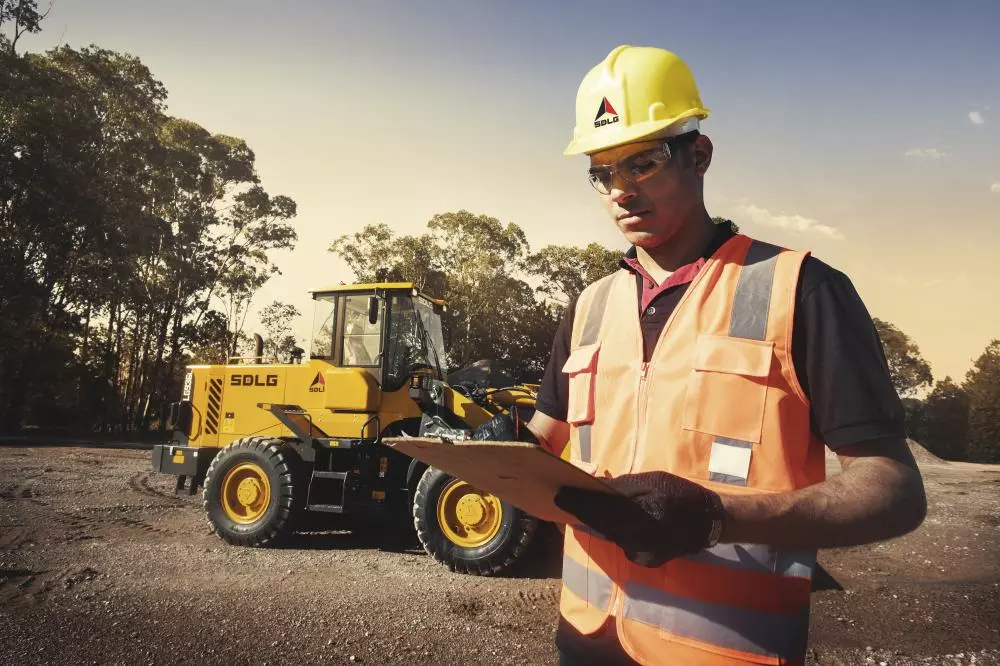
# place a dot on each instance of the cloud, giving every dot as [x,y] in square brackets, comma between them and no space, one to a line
[951,281]
[977,118]
[995,187]
[791,222]
[925,153]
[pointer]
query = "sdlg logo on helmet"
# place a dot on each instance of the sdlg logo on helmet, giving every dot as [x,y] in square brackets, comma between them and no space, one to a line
[605,109]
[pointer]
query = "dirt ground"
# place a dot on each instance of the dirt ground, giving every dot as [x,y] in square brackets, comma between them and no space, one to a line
[100,563]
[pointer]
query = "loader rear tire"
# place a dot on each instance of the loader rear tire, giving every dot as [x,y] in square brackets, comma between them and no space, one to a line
[253,491]
[489,538]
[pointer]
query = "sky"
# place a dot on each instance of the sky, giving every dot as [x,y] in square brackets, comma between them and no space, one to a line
[867,133]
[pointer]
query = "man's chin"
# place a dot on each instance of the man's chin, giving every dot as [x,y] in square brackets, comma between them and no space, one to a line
[647,240]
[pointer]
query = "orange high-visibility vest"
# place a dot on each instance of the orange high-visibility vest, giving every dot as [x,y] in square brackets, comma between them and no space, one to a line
[719,404]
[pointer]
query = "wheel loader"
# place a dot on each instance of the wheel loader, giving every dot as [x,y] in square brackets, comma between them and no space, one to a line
[274,443]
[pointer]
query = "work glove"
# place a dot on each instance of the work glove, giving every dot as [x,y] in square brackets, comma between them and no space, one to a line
[657,517]
[511,426]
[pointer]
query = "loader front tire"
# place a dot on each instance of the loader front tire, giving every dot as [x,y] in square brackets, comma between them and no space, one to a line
[467,530]
[253,491]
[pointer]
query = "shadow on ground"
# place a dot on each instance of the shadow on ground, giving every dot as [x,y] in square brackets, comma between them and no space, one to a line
[542,561]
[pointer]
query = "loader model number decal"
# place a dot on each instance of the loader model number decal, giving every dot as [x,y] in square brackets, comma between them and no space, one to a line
[253,380]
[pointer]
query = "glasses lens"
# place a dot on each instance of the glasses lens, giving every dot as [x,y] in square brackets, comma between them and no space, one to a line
[601,178]
[645,163]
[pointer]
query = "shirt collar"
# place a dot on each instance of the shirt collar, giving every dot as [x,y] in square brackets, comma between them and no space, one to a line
[685,273]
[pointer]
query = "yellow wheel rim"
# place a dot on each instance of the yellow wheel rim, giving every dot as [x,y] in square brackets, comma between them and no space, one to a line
[246,493]
[467,516]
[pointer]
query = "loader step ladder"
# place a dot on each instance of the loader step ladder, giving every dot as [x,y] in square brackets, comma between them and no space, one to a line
[329,479]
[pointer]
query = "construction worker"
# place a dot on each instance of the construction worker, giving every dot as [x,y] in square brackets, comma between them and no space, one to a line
[704,380]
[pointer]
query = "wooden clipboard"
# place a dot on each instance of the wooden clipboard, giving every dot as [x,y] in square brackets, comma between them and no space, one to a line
[523,474]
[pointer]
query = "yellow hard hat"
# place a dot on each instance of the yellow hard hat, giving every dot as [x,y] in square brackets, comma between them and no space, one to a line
[638,92]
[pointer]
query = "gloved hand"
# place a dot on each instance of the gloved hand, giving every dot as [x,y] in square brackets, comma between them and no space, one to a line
[509,427]
[660,516]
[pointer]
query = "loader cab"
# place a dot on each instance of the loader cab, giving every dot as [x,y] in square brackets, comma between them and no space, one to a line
[390,330]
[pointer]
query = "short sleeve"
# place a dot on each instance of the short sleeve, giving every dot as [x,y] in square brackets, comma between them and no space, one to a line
[553,396]
[840,362]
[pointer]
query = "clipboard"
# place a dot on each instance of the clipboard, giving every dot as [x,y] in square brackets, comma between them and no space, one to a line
[521,473]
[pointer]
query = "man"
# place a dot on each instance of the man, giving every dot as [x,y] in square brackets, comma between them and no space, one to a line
[703,380]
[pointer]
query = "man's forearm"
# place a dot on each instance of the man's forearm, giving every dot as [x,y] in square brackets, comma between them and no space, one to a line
[871,500]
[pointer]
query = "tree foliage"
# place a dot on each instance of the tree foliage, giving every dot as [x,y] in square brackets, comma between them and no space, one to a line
[732,225]
[907,368]
[566,270]
[277,318]
[484,270]
[473,262]
[19,17]
[132,239]
[944,422]
[982,385]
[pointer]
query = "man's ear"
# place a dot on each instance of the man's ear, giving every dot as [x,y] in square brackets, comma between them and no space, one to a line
[701,154]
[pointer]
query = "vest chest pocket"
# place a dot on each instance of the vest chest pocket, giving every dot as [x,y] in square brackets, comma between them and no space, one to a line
[727,387]
[581,366]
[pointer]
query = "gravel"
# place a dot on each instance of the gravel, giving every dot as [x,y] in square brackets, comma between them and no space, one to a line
[101,563]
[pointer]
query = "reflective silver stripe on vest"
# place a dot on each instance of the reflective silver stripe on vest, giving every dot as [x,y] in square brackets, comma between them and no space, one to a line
[595,313]
[591,329]
[591,586]
[752,301]
[759,558]
[756,632]
[748,319]
[583,434]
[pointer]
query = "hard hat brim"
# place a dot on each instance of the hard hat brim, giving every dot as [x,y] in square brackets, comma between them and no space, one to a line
[591,144]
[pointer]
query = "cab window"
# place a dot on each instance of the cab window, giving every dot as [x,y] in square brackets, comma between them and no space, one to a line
[362,339]
[324,325]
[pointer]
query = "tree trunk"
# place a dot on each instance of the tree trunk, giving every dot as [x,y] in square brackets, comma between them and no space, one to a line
[116,387]
[175,342]
[157,384]
[86,337]
[108,385]
[134,371]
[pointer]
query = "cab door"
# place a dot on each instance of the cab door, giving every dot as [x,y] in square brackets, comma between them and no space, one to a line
[352,386]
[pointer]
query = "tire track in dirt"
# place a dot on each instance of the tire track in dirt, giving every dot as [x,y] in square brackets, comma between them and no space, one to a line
[12,537]
[532,598]
[98,522]
[21,587]
[140,483]
[74,526]
[22,490]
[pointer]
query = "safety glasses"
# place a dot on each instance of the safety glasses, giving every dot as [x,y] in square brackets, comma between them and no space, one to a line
[635,168]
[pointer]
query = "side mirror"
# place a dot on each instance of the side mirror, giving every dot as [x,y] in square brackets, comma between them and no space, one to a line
[372,309]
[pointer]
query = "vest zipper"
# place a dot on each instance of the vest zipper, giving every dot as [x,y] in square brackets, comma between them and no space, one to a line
[641,417]
[644,368]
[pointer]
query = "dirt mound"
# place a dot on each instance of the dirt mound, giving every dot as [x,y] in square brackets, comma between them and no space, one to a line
[920,454]
[923,456]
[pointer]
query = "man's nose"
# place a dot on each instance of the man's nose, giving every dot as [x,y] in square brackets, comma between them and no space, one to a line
[621,190]
[620,196]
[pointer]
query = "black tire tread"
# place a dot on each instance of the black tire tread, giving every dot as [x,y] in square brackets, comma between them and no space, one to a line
[285,462]
[501,561]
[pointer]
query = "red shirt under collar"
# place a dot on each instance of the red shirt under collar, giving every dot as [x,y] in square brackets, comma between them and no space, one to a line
[650,290]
